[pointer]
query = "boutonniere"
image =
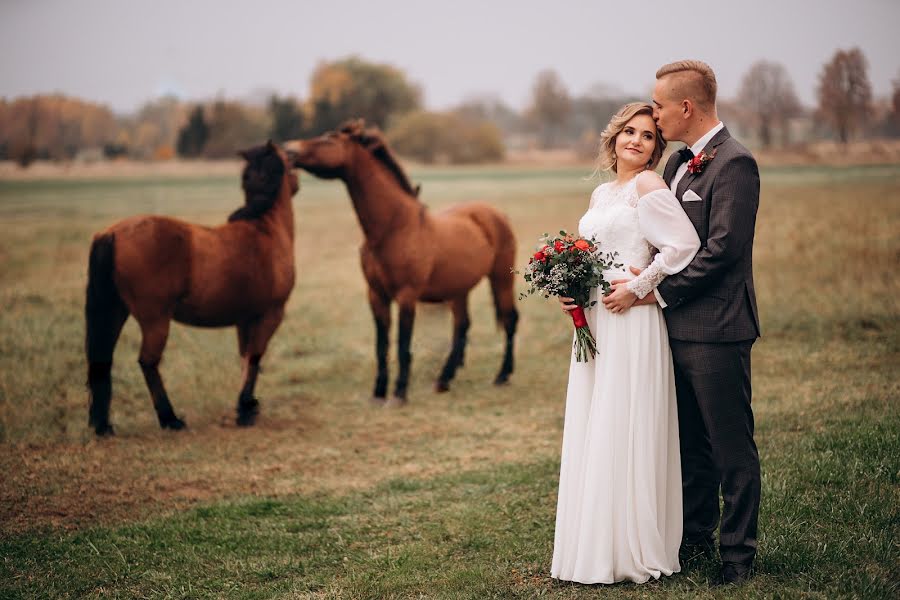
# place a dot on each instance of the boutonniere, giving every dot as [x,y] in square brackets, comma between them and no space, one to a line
[699,162]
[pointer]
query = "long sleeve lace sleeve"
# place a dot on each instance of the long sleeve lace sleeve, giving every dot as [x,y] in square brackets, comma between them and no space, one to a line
[666,226]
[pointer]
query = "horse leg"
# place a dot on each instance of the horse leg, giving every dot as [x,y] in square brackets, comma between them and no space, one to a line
[460,309]
[504,303]
[155,333]
[253,339]
[381,312]
[406,300]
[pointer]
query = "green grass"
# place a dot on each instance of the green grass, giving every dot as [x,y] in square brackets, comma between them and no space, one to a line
[453,497]
[829,529]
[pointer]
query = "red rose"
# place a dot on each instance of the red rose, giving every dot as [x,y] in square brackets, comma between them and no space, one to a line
[559,245]
[582,245]
[699,162]
[540,256]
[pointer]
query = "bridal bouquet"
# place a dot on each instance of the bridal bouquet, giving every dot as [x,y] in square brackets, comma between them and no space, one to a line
[570,266]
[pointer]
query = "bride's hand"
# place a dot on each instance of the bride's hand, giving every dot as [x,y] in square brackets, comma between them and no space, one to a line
[567,304]
[621,298]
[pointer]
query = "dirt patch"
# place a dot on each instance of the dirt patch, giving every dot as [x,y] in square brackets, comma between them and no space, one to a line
[119,479]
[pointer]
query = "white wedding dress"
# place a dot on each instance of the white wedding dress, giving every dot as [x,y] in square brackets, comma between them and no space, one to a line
[619,515]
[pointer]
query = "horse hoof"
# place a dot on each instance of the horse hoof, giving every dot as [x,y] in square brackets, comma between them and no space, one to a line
[175,424]
[104,430]
[247,419]
[441,386]
[395,402]
[377,400]
[501,380]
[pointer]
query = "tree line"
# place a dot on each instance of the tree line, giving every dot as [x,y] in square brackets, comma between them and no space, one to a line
[56,127]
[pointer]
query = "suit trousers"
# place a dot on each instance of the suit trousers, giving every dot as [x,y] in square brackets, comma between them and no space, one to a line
[712,383]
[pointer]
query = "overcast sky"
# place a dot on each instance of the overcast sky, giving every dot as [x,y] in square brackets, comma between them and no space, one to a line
[125,52]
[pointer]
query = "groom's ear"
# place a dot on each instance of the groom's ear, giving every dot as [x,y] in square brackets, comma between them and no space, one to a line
[687,108]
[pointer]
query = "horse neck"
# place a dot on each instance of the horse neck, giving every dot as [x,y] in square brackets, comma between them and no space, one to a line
[281,215]
[377,197]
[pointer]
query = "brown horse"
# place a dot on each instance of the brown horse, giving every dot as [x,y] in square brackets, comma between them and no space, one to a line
[412,255]
[159,269]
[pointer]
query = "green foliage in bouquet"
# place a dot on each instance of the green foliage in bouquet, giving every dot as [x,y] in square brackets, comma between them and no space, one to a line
[570,266]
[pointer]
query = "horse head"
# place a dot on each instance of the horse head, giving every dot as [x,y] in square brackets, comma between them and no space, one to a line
[330,155]
[262,179]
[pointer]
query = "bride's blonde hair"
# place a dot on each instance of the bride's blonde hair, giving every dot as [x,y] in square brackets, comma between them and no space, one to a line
[606,158]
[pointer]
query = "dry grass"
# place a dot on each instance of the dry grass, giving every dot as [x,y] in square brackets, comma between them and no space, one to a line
[826,260]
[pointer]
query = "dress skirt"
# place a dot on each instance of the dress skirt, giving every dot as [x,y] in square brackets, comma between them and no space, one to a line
[619,513]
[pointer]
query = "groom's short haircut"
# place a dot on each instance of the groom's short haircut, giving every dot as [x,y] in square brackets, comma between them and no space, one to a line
[693,79]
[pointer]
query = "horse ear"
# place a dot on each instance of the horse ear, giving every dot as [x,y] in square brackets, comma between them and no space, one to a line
[245,154]
[372,139]
[269,145]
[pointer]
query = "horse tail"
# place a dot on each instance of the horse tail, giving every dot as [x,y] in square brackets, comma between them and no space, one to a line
[105,312]
[501,275]
[503,288]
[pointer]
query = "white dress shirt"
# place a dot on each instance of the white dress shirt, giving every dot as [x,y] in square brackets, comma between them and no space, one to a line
[697,148]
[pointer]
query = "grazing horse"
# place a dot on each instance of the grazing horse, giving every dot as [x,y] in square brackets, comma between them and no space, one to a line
[159,269]
[412,255]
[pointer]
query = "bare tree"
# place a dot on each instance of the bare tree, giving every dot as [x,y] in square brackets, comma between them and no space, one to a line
[893,118]
[767,93]
[550,106]
[845,94]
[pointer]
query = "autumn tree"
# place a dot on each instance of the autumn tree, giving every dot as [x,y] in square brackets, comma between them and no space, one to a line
[550,107]
[449,137]
[54,127]
[767,94]
[156,128]
[353,88]
[845,94]
[491,109]
[20,131]
[233,127]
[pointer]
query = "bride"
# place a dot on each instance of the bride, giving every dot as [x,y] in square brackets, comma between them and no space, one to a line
[619,514]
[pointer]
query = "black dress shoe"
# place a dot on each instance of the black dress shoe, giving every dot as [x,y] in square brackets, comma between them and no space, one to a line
[733,573]
[690,551]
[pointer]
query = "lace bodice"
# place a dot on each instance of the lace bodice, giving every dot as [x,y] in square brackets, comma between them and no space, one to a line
[635,228]
[613,220]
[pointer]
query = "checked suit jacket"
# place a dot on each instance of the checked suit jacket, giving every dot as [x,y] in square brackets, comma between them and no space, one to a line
[713,300]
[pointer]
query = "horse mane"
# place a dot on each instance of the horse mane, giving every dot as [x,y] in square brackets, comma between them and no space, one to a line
[373,140]
[261,181]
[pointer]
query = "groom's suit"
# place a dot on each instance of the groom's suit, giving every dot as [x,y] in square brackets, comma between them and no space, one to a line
[712,320]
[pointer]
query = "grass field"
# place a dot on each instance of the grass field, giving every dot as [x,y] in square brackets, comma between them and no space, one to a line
[453,496]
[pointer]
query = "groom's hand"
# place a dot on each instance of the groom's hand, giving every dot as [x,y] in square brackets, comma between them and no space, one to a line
[649,298]
[621,298]
[620,301]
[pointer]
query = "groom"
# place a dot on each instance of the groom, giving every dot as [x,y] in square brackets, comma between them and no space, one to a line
[710,310]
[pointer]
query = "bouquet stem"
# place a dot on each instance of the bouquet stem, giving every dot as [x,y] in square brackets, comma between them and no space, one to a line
[584,341]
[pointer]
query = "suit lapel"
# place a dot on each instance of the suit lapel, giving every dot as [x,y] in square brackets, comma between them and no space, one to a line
[688,176]
[669,171]
[683,184]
